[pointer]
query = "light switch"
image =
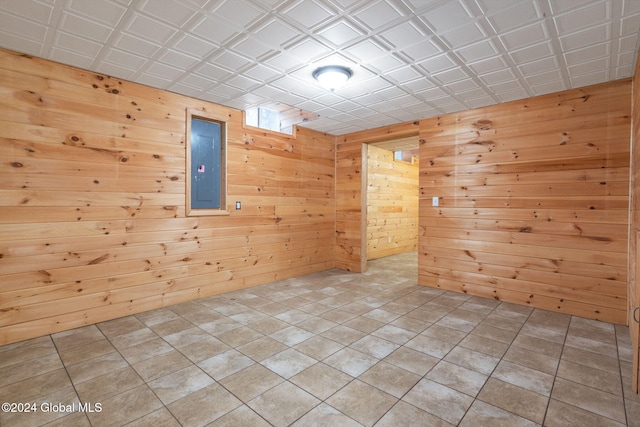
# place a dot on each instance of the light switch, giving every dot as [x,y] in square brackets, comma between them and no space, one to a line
[435,201]
[238,206]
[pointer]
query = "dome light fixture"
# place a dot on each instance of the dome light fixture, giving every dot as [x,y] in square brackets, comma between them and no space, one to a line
[332,77]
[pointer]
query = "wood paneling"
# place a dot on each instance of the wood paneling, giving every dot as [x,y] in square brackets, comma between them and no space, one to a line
[392,204]
[92,201]
[533,201]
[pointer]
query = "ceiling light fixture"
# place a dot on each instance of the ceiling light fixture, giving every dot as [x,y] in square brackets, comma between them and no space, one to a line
[332,77]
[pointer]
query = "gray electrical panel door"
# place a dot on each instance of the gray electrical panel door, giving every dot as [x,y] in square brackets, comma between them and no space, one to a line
[205,164]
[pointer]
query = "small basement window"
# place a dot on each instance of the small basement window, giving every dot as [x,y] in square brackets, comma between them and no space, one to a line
[277,117]
[206,138]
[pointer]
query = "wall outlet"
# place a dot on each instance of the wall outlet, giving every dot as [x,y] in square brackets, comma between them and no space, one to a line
[435,201]
[389,239]
[238,206]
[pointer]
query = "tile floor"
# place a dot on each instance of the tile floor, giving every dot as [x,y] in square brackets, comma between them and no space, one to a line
[328,349]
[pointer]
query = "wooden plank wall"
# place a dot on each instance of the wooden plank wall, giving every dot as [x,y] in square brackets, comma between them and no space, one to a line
[92,201]
[634,229]
[392,204]
[350,199]
[534,201]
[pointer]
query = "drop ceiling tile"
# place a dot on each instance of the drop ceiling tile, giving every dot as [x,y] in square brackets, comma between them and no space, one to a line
[237,13]
[532,53]
[539,66]
[629,25]
[196,81]
[82,46]
[137,46]
[404,74]
[365,51]
[437,64]
[488,65]
[171,12]
[150,29]
[82,27]
[212,72]
[526,35]
[403,35]
[543,78]
[251,48]
[22,27]
[579,18]
[106,12]
[450,76]
[213,30]
[164,71]
[178,59]
[276,33]
[585,37]
[452,14]
[31,11]
[124,59]
[422,50]
[511,95]
[225,91]
[340,33]
[308,13]
[116,70]
[549,87]
[243,83]
[580,56]
[590,79]
[194,46]
[308,50]
[463,35]
[23,45]
[464,86]
[377,14]
[477,51]
[386,63]
[498,77]
[590,67]
[269,92]
[513,17]
[559,6]
[231,61]
[262,73]
[73,58]
[283,62]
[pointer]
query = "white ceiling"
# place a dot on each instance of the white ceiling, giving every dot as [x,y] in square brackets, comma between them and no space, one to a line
[411,58]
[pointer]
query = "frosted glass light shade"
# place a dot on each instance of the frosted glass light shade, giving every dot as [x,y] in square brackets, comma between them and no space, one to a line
[332,77]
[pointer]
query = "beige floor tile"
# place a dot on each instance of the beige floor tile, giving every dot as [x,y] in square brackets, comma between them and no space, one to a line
[319,347]
[439,400]
[538,345]
[592,377]
[288,363]
[457,377]
[185,337]
[31,368]
[561,414]
[122,325]
[338,316]
[590,359]
[531,359]
[324,415]
[362,402]
[291,335]
[126,407]
[179,384]
[632,407]
[241,416]
[412,360]
[514,399]
[394,334]
[364,324]
[42,409]
[411,323]
[445,333]
[132,338]
[283,404]
[495,333]
[374,346]
[30,350]
[204,405]
[77,337]
[108,385]
[589,399]
[403,414]
[158,418]
[351,361]
[224,364]
[474,360]
[321,380]
[161,365]
[83,353]
[343,334]
[95,367]
[251,382]
[75,419]
[594,346]
[262,348]
[316,325]
[429,345]
[484,345]
[268,326]
[171,327]
[155,317]
[482,413]
[524,377]
[390,379]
